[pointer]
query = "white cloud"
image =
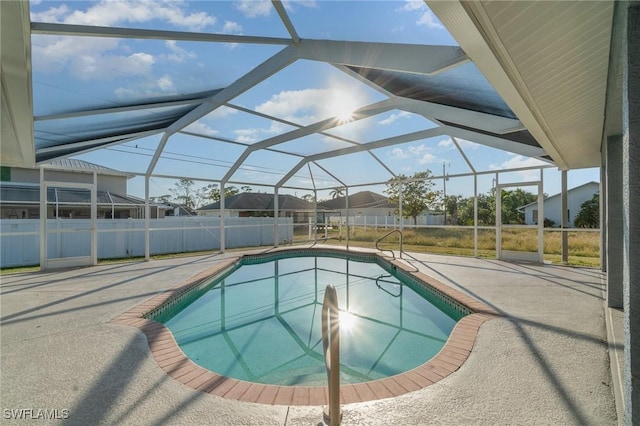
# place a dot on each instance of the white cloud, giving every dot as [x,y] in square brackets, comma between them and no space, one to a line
[418,150]
[398,153]
[111,13]
[445,143]
[201,128]
[517,161]
[412,5]
[428,158]
[464,144]
[178,54]
[53,14]
[222,112]
[252,135]
[231,27]
[254,8]
[310,105]
[394,117]
[103,58]
[291,5]
[103,67]
[247,135]
[429,19]
[166,84]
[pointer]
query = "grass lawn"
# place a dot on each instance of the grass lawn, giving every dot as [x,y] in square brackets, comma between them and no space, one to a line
[584,247]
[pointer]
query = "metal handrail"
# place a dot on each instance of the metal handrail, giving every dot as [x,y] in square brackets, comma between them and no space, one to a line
[379,279]
[385,236]
[331,348]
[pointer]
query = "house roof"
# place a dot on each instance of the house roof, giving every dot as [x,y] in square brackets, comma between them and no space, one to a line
[559,193]
[359,200]
[254,201]
[30,194]
[69,164]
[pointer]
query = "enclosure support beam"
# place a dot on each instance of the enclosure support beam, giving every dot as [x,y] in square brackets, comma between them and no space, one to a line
[400,206]
[147,239]
[43,221]
[346,202]
[564,219]
[475,214]
[223,232]
[276,208]
[315,216]
[94,220]
[498,198]
[541,218]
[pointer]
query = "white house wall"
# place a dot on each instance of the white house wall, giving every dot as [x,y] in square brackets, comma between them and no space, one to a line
[114,184]
[552,207]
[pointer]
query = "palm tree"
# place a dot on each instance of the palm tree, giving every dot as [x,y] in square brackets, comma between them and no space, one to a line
[337,192]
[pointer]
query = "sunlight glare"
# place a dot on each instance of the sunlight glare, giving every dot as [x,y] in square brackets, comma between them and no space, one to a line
[347,321]
[343,103]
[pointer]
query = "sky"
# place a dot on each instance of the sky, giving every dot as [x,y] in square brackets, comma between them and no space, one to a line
[74,73]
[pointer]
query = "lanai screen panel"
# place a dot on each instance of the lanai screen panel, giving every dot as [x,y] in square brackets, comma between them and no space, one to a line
[248,92]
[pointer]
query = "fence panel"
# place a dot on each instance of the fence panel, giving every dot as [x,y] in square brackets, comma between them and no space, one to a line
[121,238]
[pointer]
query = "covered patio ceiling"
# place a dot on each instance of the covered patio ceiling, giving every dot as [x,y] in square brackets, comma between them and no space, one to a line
[527,77]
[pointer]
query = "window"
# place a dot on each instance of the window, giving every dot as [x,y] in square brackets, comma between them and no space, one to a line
[535,216]
[5,174]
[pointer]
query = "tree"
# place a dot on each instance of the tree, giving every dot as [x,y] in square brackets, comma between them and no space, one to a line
[512,201]
[162,199]
[308,198]
[451,208]
[417,193]
[486,210]
[184,193]
[337,192]
[589,215]
[211,192]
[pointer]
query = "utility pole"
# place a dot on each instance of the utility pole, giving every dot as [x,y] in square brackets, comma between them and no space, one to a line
[444,184]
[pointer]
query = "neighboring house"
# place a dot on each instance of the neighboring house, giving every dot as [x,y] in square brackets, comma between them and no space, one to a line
[174,209]
[255,204]
[20,193]
[364,203]
[552,205]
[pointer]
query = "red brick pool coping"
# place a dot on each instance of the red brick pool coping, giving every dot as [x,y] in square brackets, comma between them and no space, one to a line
[176,364]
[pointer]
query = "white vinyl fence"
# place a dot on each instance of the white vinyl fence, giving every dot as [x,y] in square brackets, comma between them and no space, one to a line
[387,222]
[119,238]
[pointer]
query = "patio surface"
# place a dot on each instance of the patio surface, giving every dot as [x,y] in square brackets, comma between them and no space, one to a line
[545,362]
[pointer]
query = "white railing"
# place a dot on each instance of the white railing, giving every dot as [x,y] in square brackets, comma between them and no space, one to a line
[331,348]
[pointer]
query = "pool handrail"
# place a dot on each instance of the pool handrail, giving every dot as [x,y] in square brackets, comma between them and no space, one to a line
[385,236]
[379,279]
[331,349]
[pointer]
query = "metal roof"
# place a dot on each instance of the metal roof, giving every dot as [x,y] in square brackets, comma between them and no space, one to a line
[254,201]
[359,200]
[70,164]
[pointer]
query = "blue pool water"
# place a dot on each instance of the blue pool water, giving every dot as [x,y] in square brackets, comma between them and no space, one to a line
[261,321]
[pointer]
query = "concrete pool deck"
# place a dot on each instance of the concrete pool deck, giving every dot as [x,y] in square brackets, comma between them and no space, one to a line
[545,362]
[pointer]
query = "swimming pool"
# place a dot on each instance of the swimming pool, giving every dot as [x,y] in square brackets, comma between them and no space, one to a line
[259,321]
[171,359]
